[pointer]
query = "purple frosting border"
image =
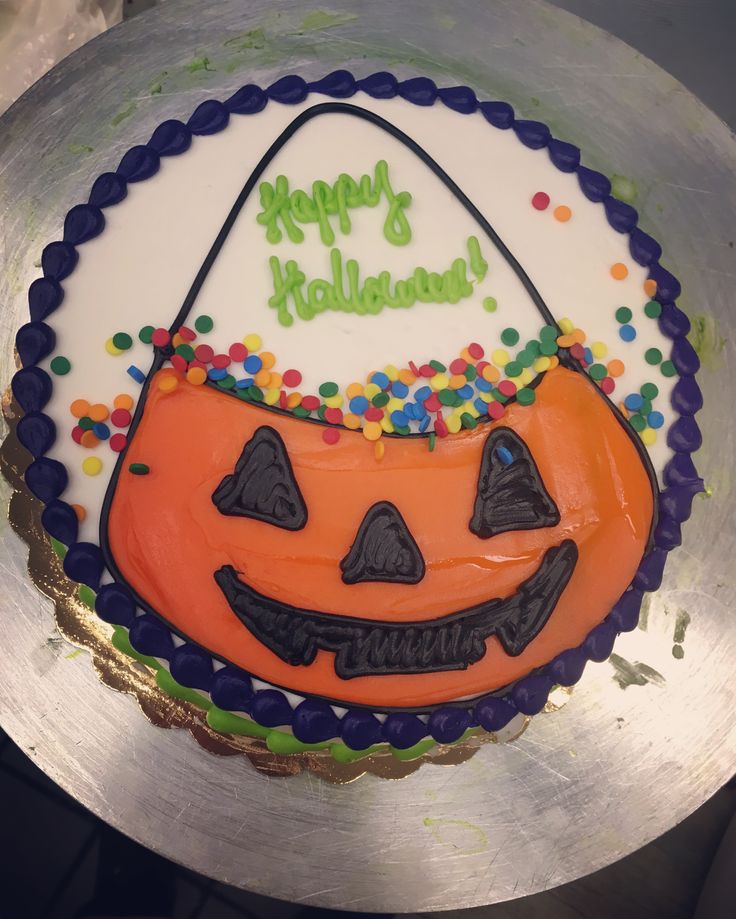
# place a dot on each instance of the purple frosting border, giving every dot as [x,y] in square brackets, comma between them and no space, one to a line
[314,720]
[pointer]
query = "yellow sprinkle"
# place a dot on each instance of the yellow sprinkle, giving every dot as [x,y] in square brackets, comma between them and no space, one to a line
[394,405]
[379,448]
[407,377]
[372,430]
[263,378]
[387,425]
[252,342]
[351,421]
[599,349]
[500,357]
[541,364]
[111,349]
[526,376]
[458,410]
[276,380]
[491,374]
[391,372]
[293,399]
[92,465]
[334,401]
[648,436]
[371,390]
[439,381]
[457,380]
[271,396]
[471,409]
[567,325]
[453,424]
[353,390]
[168,383]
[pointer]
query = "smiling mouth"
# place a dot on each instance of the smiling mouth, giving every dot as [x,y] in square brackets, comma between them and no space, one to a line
[372,647]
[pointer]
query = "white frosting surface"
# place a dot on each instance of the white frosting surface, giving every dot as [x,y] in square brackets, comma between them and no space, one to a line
[139,270]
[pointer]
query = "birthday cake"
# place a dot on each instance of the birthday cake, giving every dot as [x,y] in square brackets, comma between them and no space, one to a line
[361,409]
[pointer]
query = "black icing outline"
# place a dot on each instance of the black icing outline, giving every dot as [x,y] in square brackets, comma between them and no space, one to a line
[356,565]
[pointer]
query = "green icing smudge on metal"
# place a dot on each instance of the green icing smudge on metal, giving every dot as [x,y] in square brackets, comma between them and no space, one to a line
[681,623]
[78,149]
[72,654]
[624,189]
[628,673]
[445,21]
[198,64]
[324,19]
[644,612]
[255,38]
[464,837]
[123,114]
[706,338]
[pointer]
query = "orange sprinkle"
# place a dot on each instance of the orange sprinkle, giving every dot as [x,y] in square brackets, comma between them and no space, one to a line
[650,287]
[491,374]
[578,336]
[196,375]
[293,399]
[615,367]
[123,401]
[89,440]
[619,271]
[351,421]
[566,341]
[263,378]
[80,512]
[553,361]
[79,408]
[624,411]
[457,380]
[267,360]
[177,340]
[467,356]
[168,383]
[353,390]
[406,377]
[379,449]
[372,430]
[562,213]
[98,412]
[276,380]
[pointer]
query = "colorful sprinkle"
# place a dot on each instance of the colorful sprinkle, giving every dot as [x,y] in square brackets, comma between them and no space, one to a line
[540,201]
[627,332]
[330,435]
[139,468]
[253,342]
[79,408]
[615,367]
[510,337]
[196,376]
[60,365]
[80,512]
[668,369]
[490,304]
[101,430]
[562,213]
[292,378]
[160,338]
[204,324]
[89,440]
[372,430]
[619,271]
[328,389]
[379,449]
[237,352]
[650,287]
[136,373]
[92,465]
[169,383]
[648,437]
[623,314]
[122,341]
[652,309]
[649,391]
[526,396]
[98,412]
[653,356]
[118,442]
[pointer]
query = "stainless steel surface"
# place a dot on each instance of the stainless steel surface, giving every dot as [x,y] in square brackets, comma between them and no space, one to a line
[645,739]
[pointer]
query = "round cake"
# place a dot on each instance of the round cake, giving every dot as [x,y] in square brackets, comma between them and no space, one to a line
[360,408]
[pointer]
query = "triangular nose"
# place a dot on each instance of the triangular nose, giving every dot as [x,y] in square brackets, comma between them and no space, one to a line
[383,550]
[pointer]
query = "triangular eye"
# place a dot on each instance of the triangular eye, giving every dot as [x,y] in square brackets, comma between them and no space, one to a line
[384,550]
[263,485]
[511,494]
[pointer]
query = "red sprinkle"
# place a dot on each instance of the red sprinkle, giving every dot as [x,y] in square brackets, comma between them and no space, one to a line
[440,428]
[310,403]
[179,363]
[481,366]
[507,388]
[282,399]
[330,435]
[577,351]
[77,434]
[291,378]
[458,365]
[118,442]
[221,361]
[496,410]
[237,351]
[432,403]
[426,371]
[333,415]
[160,338]
[414,369]
[120,417]
[187,334]
[199,364]
[475,350]
[204,353]
[540,201]
[373,414]
[607,384]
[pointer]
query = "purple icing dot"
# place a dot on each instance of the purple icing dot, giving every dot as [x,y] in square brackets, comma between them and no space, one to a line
[567,668]
[82,223]
[680,470]
[673,322]
[651,570]
[83,563]
[625,614]
[339,84]
[594,185]
[37,432]
[643,248]
[149,636]
[684,435]
[171,138]
[139,163]
[381,85]
[60,521]
[289,90]
[231,689]
[47,478]
[499,114]
[314,722]
[621,216]
[58,260]
[270,708]
[402,730]
[44,296]
[34,341]
[668,287]
[419,90]
[599,643]
[209,117]
[247,100]
[446,725]
[493,713]
[114,603]
[459,98]
[532,134]
[565,156]
[31,387]
[687,399]
[192,667]
[360,730]
[668,533]
[684,357]
[108,189]
[530,694]
[676,500]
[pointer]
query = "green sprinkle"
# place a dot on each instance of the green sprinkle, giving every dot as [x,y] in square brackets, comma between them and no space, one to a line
[321,412]
[122,341]
[468,421]
[146,334]
[525,357]
[432,438]
[227,382]
[255,393]
[186,351]
[446,396]
[60,365]
[470,373]
[380,399]
[649,391]
[242,394]
[510,337]
[204,324]
[646,407]
[139,469]
[328,389]
[513,369]
[525,396]
[436,365]
[301,412]
[597,371]
[637,422]
[548,333]
[653,356]
[403,429]
[86,423]
[668,369]
[623,315]
[652,309]
[532,347]
[490,305]
[548,347]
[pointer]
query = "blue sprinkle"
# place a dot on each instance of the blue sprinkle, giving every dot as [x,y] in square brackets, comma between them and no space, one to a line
[505,455]
[252,363]
[465,392]
[217,373]
[137,374]
[588,355]
[424,423]
[627,332]
[633,402]
[423,393]
[358,405]
[409,411]
[380,379]
[399,389]
[483,385]
[101,430]
[654,420]
[399,419]
[481,406]
[245,384]
[419,410]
